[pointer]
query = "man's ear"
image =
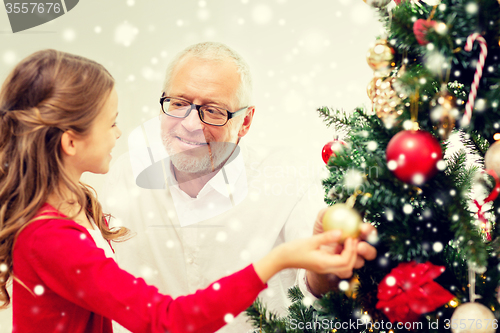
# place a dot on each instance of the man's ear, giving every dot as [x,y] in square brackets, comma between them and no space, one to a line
[68,143]
[245,127]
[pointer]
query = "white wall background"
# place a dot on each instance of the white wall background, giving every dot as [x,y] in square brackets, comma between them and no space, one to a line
[303,55]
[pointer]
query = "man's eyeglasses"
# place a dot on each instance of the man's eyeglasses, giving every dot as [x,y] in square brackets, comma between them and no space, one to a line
[211,115]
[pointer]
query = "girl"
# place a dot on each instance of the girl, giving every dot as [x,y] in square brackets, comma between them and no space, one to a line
[57,120]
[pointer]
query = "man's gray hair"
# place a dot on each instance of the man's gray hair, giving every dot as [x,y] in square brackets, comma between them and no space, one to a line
[217,51]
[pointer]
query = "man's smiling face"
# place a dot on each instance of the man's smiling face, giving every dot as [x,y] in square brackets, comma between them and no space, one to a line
[192,145]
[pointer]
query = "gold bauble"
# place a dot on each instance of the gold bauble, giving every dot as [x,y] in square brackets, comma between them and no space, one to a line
[342,217]
[443,112]
[477,318]
[385,100]
[373,86]
[379,3]
[381,58]
[492,158]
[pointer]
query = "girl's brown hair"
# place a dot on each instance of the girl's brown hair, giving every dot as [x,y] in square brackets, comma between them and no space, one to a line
[46,94]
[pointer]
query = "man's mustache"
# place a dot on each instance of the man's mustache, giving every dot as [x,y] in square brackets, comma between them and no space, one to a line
[192,138]
[153,177]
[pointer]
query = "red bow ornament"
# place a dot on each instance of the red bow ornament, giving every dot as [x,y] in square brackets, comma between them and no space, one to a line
[410,291]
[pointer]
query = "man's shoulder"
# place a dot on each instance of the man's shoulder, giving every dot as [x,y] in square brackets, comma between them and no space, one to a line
[288,161]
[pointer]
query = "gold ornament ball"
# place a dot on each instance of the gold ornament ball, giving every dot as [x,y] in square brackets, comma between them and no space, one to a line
[373,88]
[444,111]
[385,101]
[492,158]
[477,318]
[379,3]
[381,58]
[342,217]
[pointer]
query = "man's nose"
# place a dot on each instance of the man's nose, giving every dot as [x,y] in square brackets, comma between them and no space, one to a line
[192,122]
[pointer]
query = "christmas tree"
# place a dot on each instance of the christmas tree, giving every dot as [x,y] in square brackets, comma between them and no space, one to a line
[436,84]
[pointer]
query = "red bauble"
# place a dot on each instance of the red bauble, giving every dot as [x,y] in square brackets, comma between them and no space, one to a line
[413,155]
[331,148]
[420,28]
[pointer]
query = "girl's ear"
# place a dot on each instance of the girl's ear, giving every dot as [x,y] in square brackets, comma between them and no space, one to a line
[68,143]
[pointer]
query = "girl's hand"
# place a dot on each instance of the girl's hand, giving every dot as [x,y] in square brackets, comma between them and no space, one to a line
[365,250]
[310,254]
[322,283]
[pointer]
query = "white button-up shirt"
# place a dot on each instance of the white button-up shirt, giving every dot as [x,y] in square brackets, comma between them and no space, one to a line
[280,201]
[224,191]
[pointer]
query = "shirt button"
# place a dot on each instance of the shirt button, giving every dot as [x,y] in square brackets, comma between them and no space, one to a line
[190,260]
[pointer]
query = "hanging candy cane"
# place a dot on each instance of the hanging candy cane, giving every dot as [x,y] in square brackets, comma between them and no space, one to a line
[477,76]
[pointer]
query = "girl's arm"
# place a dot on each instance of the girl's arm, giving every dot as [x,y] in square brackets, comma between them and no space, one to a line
[65,258]
[70,265]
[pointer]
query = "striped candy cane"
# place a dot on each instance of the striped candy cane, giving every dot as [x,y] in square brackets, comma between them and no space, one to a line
[477,76]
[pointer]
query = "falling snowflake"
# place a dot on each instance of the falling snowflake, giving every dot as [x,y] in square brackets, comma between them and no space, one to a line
[373,238]
[392,165]
[262,14]
[146,272]
[221,236]
[9,58]
[228,318]
[39,290]
[245,255]
[435,61]
[125,34]
[372,145]
[69,35]
[313,42]
[441,165]
[344,285]
[472,8]
[365,318]
[203,14]
[353,179]
[407,209]
[307,301]
[437,247]
[390,281]
[151,75]
[361,14]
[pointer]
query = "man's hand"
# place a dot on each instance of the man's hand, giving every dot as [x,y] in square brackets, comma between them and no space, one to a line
[322,283]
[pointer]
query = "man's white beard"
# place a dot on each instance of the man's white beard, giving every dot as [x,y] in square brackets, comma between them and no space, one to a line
[210,160]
